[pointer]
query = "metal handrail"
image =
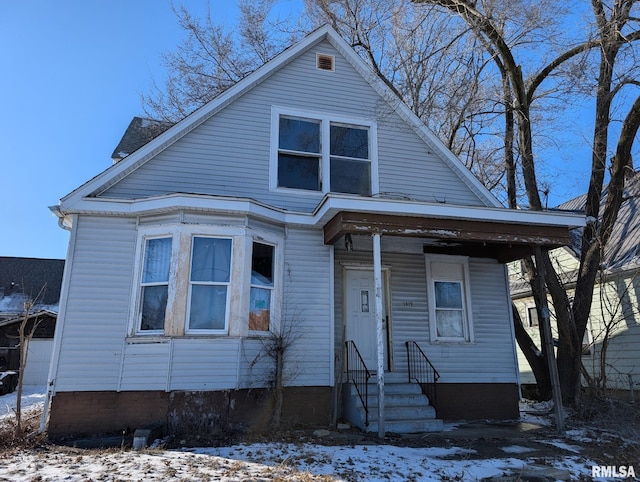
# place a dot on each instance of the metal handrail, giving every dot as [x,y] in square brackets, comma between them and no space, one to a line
[422,370]
[359,375]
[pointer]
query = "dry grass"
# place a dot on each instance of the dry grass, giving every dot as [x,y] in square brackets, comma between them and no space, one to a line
[29,438]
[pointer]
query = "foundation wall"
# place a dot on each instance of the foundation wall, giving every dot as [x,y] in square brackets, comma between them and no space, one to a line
[80,413]
[477,401]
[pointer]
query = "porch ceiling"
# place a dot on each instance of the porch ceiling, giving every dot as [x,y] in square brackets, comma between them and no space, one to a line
[489,239]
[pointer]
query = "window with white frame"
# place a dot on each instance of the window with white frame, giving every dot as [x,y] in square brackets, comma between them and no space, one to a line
[262,286]
[154,285]
[198,291]
[209,279]
[323,154]
[449,299]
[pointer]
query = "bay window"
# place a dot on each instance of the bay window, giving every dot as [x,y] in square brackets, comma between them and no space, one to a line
[205,280]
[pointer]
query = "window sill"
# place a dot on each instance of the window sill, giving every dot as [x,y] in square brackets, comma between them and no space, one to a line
[142,339]
[452,342]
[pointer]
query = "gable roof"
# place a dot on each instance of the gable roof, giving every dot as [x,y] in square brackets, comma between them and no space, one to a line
[23,278]
[112,175]
[140,131]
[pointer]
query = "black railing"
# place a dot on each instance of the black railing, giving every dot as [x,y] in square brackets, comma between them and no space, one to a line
[359,374]
[422,371]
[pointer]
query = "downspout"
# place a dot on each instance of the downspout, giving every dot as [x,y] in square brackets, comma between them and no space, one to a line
[62,313]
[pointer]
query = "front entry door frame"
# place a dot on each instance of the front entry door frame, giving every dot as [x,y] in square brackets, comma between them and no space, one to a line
[386,278]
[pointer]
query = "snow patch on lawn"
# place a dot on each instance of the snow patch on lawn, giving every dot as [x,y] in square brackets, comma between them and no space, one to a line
[32,399]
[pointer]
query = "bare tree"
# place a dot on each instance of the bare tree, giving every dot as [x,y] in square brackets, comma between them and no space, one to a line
[614,35]
[211,59]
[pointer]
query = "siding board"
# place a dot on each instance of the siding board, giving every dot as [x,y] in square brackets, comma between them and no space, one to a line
[229,153]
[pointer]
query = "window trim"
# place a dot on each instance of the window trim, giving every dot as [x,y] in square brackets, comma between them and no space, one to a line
[467,322]
[325,119]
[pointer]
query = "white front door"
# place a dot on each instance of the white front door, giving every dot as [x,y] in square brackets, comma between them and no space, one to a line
[360,314]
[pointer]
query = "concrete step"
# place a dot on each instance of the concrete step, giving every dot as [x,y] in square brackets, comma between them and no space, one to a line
[406,409]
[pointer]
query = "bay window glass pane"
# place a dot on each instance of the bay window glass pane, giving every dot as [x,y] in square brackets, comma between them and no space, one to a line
[448,294]
[260,312]
[154,307]
[349,142]
[262,265]
[449,323]
[157,258]
[208,307]
[211,260]
[299,135]
[299,172]
[350,176]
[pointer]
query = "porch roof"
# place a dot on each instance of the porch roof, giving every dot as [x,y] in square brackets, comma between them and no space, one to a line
[504,241]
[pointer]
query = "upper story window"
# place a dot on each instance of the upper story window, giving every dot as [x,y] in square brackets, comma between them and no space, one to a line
[449,299]
[299,154]
[323,154]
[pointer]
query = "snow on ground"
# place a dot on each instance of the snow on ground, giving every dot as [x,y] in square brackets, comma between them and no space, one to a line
[277,460]
[273,461]
[32,399]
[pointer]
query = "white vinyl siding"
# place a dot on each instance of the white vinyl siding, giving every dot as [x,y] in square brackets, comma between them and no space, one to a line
[38,361]
[489,359]
[206,160]
[98,304]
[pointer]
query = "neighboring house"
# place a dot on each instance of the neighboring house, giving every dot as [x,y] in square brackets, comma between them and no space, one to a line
[296,202]
[38,281]
[615,312]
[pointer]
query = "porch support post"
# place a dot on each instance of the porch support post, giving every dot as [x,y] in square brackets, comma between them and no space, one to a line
[551,358]
[377,279]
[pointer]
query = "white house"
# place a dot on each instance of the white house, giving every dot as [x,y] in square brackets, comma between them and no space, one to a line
[307,199]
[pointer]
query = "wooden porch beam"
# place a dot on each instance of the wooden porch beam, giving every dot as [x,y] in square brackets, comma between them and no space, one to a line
[445,229]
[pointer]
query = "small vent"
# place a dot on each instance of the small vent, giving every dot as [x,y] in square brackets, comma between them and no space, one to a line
[325,62]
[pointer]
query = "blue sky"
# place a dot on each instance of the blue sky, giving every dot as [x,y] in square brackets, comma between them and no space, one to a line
[72,74]
[71,78]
